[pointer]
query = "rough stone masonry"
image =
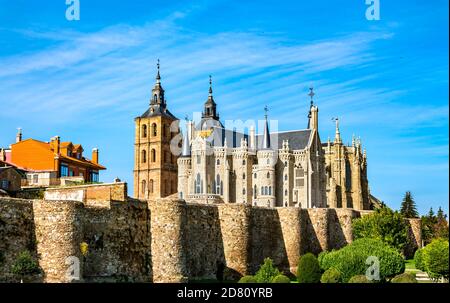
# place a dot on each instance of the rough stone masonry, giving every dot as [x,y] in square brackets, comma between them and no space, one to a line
[167,240]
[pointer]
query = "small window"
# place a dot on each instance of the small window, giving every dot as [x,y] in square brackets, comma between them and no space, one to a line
[153,155]
[285,177]
[243,176]
[285,163]
[268,175]
[144,131]
[143,187]
[243,162]
[243,191]
[218,162]
[150,186]
[144,156]
[270,190]
[285,192]
[154,129]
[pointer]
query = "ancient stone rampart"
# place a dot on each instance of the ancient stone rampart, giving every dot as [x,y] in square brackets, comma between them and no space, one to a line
[167,240]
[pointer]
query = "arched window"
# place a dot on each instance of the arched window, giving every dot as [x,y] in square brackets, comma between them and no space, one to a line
[254,175]
[270,190]
[243,191]
[285,163]
[221,188]
[255,191]
[268,175]
[285,192]
[217,184]
[266,190]
[285,177]
[150,186]
[143,187]
[243,162]
[154,129]
[262,190]
[218,162]
[153,155]
[143,156]
[155,98]
[198,182]
[243,176]
[144,131]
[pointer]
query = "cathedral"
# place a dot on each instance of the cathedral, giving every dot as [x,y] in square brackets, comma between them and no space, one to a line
[219,164]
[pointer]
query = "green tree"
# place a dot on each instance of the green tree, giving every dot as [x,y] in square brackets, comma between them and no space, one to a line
[441,225]
[436,258]
[408,208]
[384,224]
[266,272]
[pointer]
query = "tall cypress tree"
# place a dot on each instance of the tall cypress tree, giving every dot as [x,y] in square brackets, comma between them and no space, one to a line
[408,209]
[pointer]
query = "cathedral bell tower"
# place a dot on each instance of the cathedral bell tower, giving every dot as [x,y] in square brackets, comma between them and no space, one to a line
[155,167]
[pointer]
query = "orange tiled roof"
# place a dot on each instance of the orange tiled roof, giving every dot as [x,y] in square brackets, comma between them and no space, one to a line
[83,161]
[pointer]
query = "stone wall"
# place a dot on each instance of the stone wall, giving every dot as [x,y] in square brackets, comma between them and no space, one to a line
[91,194]
[16,233]
[167,240]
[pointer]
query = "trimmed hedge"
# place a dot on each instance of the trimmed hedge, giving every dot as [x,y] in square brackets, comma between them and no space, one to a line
[359,279]
[267,272]
[308,269]
[351,259]
[435,259]
[281,279]
[247,279]
[404,278]
[331,275]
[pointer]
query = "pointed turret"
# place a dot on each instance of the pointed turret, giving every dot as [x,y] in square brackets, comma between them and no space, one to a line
[337,137]
[210,107]
[158,91]
[266,137]
[186,149]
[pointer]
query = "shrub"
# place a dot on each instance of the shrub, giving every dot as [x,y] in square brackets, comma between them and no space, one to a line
[308,269]
[351,259]
[435,259]
[404,278]
[247,279]
[281,279]
[331,275]
[25,265]
[385,225]
[321,256]
[266,272]
[359,279]
[418,259]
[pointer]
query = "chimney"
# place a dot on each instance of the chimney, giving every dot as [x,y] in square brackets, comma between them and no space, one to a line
[56,142]
[19,135]
[95,155]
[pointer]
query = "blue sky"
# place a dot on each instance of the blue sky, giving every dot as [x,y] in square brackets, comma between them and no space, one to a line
[386,80]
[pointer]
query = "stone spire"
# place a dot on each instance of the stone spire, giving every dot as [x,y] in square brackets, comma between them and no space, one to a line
[337,137]
[186,149]
[266,137]
[157,91]
[210,107]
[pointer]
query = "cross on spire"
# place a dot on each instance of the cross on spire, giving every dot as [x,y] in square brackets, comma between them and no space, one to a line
[311,94]
[210,85]
[158,77]
[266,109]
